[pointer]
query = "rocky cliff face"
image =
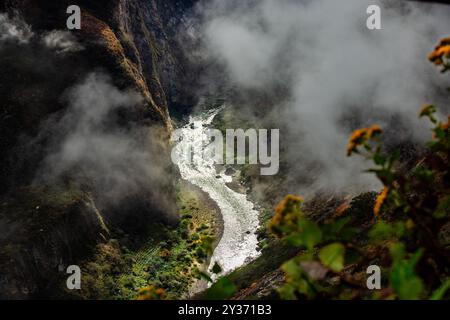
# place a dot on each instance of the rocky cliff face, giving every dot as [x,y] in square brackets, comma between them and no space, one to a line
[51,222]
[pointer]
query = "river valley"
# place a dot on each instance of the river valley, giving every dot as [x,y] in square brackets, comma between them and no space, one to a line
[238,244]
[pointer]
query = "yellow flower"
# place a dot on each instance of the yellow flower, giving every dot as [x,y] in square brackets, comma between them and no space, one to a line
[427,110]
[409,224]
[151,293]
[160,292]
[373,131]
[446,126]
[380,201]
[357,137]
[286,215]
[440,52]
[360,136]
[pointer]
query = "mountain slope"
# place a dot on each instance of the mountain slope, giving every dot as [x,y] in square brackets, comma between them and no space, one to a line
[51,220]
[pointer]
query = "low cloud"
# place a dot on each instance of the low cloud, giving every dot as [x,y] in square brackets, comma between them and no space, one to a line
[61,41]
[77,126]
[92,144]
[14,29]
[329,74]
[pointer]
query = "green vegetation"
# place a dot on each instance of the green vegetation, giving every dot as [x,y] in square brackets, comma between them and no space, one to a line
[165,266]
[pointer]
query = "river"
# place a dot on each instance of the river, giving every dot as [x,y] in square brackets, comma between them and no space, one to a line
[238,244]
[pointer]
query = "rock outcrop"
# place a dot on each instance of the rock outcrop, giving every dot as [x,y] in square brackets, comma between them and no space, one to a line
[131,41]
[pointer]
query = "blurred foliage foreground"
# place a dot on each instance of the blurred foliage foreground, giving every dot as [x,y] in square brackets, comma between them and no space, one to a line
[408,241]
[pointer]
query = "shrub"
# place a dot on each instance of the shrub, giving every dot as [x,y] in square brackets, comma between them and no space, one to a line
[407,236]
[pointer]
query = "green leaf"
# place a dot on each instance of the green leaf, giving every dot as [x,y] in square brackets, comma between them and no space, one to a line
[443,209]
[439,293]
[424,173]
[386,231]
[287,292]
[385,175]
[332,256]
[439,133]
[292,269]
[305,287]
[338,230]
[379,159]
[406,284]
[427,111]
[397,251]
[336,226]
[295,240]
[310,234]
[221,290]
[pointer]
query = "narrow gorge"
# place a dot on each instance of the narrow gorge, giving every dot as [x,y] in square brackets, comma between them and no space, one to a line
[238,244]
[109,189]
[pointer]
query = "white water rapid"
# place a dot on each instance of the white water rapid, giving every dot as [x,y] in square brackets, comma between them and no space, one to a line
[238,244]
